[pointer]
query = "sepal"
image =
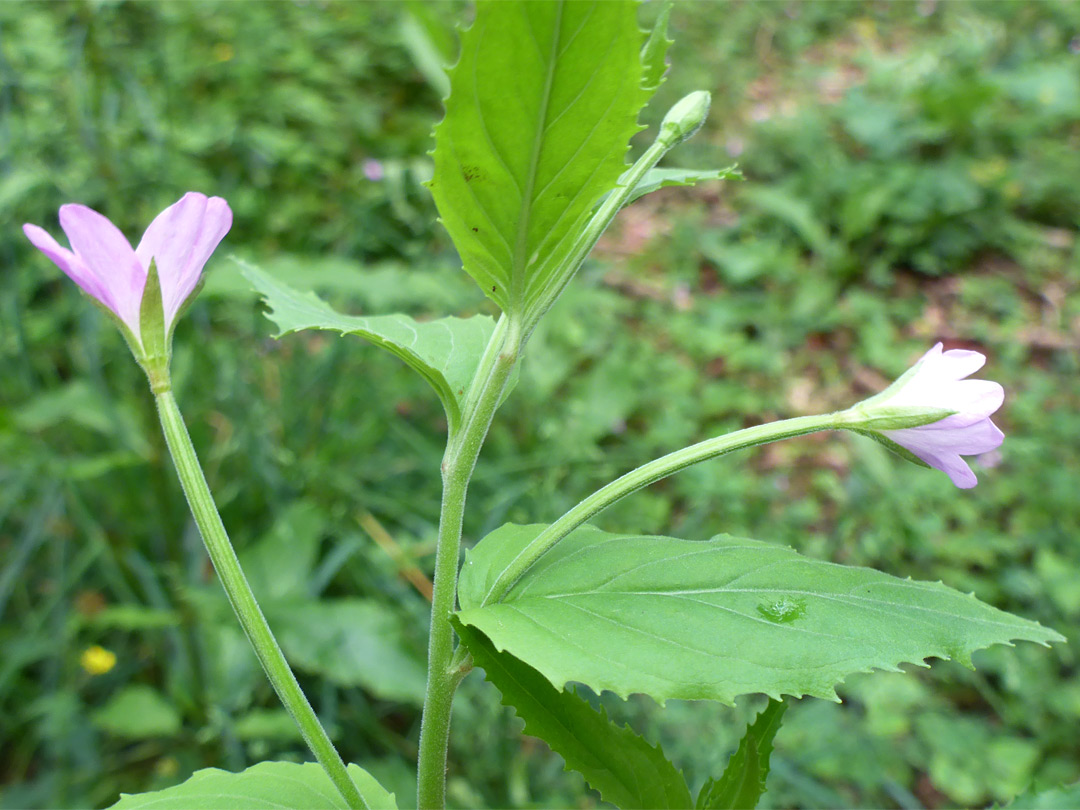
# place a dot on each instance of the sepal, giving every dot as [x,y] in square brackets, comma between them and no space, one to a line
[686,117]
[892,417]
[156,349]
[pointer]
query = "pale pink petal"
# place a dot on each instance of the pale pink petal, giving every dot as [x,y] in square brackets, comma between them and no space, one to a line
[955,364]
[105,251]
[180,240]
[67,261]
[974,400]
[978,438]
[926,365]
[959,472]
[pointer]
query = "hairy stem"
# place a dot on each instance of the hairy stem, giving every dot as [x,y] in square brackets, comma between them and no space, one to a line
[648,474]
[457,468]
[599,222]
[243,600]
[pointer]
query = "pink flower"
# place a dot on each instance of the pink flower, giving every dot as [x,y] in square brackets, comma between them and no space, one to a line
[102,262]
[937,382]
[373,170]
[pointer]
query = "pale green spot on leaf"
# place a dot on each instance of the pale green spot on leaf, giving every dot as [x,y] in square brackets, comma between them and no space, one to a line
[680,619]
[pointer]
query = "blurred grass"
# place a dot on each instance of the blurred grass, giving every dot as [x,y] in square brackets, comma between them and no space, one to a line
[912,174]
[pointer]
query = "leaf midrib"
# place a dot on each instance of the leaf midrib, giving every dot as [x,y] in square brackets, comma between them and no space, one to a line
[521,243]
[872,603]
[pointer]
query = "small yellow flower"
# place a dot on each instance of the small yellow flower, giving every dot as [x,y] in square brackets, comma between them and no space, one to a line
[223,52]
[97,660]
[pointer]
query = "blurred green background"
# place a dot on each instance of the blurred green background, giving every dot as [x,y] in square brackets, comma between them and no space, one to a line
[912,174]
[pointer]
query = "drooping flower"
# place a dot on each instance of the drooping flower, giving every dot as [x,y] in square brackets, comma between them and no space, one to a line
[102,262]
[937,415]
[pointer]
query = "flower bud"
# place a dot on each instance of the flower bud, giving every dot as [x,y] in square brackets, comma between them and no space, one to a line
[686,117]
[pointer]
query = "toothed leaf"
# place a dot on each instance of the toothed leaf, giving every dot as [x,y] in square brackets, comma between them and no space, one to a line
[266,786]
[715,619]
[624,768]
[662,178]
[656,46]
[743,781]
[542,104]
[445,352]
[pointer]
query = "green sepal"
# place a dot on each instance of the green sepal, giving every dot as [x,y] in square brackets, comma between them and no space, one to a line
[155,342]
[897,384]
[743,781]
[686,117]
[654,51]
[888,417]
[892,446]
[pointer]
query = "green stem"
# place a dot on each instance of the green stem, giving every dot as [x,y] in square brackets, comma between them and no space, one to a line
[648,474]
[242,599]
[596,226]
[457,468]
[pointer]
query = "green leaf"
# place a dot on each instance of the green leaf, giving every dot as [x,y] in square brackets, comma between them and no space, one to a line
[445,352]
[266,786]
[623,767]
[654,51]
[1052,799]
[892,447]
[420,34]
[353,642]
[130,617]
[743,780]
[662,178]
[715,619]
[543,102]
[267,724]
[280,564]
[138,711]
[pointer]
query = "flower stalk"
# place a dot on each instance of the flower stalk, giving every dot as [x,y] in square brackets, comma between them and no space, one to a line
[243,600]
[648,474]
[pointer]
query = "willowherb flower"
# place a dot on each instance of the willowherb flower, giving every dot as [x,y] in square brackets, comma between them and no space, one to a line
[933,415]
[102,262]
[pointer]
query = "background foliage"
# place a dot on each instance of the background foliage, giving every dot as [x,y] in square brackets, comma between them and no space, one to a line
[912,174]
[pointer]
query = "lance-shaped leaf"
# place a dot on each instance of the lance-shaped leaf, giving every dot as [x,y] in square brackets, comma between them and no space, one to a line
[620,765]
[715,619]
[743,780]
[655,49]
[543,102]
[662,178]
[445,352]
[266,786]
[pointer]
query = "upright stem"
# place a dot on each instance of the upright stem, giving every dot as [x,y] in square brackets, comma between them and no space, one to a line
[457,468]
[648,474]
[243,600]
